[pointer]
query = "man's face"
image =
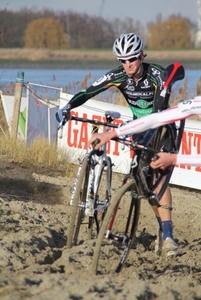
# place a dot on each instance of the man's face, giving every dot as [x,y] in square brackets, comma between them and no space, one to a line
[131,64]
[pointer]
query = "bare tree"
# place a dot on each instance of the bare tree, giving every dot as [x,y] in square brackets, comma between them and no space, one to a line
[46,33]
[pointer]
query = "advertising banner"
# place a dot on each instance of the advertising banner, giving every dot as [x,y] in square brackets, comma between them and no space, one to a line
[76,135]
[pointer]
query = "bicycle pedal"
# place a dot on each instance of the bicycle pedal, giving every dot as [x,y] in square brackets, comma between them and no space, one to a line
[153,201]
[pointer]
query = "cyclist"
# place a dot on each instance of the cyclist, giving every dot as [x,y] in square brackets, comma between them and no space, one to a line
[141,84]
[180,111]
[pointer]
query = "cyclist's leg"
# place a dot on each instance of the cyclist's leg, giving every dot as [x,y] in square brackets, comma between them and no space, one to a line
[169,247]
[164,216]
[164,213]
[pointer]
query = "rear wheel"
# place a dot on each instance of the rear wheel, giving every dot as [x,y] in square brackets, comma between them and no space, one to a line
[167,139]
[118,230]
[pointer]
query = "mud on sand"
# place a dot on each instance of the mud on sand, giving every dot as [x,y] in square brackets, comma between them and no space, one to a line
[35,264]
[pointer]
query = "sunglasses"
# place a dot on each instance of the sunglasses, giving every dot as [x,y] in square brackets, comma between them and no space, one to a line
[132,59]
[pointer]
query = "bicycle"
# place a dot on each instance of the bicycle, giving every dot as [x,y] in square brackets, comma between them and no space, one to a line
[91,193]
[118,232]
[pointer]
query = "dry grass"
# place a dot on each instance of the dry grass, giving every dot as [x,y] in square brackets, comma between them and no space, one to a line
[39,155]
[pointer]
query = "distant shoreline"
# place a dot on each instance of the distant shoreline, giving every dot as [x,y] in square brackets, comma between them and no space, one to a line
[88,59]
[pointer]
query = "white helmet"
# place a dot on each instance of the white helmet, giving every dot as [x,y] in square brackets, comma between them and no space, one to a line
[128,44]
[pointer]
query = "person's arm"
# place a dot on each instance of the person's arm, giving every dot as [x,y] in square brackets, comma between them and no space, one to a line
[167,159]
[102,84]
[193,160]
[80,98]
[183,110]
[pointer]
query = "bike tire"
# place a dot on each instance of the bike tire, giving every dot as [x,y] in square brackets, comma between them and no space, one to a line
[157,176]
[125,221]
[177,143]
[103,195]
[77,213]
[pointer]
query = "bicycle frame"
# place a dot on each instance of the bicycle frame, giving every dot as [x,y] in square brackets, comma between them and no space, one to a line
[136,170]
[87,188]
[98,159]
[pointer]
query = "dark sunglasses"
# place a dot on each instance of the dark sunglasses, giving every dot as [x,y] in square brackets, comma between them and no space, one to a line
[132,59]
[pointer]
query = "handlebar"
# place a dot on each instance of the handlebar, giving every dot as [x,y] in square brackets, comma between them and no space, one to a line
[85,120]
[94,122]
[132,144]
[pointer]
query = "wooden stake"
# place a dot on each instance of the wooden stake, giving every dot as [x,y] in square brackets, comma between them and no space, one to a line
[17,102]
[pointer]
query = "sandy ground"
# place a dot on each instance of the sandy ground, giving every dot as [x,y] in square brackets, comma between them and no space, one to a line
[35,264]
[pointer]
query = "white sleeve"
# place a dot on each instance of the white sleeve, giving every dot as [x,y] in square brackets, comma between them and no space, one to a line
[193,160]
[181,111]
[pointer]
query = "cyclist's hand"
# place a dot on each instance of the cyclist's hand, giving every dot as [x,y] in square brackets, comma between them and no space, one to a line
[62,115]
[163,160]
[95,141]
[102,137]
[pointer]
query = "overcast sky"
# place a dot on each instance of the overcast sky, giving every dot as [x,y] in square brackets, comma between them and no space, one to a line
[141,10]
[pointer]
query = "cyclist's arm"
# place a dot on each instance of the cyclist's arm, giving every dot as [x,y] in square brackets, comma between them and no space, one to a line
[111,78]
[183,110]
[167,159]
[79,99]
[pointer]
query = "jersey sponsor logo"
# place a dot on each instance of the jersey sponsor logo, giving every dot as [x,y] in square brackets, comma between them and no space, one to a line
[146,84]
[140,112]
[188,105]
[185,106]
[130,88]
[144,95]
[109,76]
[100,80]
[140,103]
[161,82]
[129,81]
[119,74]
[106,77]
[157,74]
[155,71]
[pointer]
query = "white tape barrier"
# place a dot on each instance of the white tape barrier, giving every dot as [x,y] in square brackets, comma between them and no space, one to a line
[36,118]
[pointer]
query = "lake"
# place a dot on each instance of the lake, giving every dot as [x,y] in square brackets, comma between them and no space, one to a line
[70,80]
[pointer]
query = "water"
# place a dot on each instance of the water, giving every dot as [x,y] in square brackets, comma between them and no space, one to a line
[71,80]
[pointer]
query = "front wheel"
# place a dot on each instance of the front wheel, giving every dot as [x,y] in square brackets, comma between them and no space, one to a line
[79,204]
[118,230]
[103,192]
